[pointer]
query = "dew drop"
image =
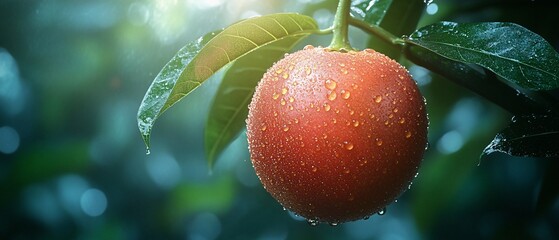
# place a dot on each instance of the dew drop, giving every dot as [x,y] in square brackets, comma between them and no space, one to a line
[148,151]
[382,211]
[395,110]
[312,222]
[275,96]
[308,47]
[408,134]
[391,115]
[346,171]
[345,94]
[332,96]
[290,107]
[285,128]
[348,145]
[401,77]
[379,142]
[334,120]
[314,168]
[285,75]
[291,99]
[402,120]
[344,71]
[330,84]
[308,70]
[378,98]
[326,107]
[282,102]
[263,128]
[279,71]
[275,114]
[333,224]
[283,91]
[355,123]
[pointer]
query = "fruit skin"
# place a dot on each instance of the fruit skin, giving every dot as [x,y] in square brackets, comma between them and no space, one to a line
[334,136]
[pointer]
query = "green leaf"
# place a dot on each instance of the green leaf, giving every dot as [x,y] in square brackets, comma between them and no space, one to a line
[528,136]
[511,51]
[398,17]
[230,105]
[370,11]
[184,74]
[160,89]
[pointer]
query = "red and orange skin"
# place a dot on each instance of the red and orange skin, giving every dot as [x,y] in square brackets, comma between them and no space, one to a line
[336,136]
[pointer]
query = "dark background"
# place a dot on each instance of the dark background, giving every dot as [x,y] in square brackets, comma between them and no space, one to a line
[73,164]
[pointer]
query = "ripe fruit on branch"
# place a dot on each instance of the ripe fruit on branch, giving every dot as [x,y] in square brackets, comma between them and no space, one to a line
[334,136]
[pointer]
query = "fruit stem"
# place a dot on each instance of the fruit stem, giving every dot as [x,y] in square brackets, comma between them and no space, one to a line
[340,40]
[379,32]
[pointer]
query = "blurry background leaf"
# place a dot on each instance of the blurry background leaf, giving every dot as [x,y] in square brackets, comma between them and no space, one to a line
[528,136]
[233,42]
[230,105]
[511,51]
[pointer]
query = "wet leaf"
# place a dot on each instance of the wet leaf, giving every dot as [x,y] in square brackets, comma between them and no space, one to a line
[230,106]
[370,11]
[398,17]
[528,136]
[509,50]
[197,61]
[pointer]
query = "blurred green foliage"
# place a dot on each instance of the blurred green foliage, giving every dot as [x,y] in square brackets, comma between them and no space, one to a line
[72,75]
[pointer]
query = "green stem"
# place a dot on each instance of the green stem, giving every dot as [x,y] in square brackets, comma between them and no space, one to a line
[340,40]
[379,32]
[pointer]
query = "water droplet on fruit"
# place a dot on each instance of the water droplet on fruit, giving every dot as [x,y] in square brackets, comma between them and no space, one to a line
[282,102]
[312,222]
[382,211]
[346,171]
[314,168]
[275,96]
[378,98]
[390,115]
[308,70]
[408,134]
[263,128]
[291,99]
[285,75]
[395,110]
[355,123]
[326,107]
[343,70]
[345,94]
[379,142]
[366,217]
[333,224]
[279,71]
[332,96]
[348,145]
[285,128]
[308,47]
[283,91]
[275,114]
[330,84]
[402,120]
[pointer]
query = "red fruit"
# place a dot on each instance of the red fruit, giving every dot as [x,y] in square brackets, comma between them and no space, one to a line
[334,136]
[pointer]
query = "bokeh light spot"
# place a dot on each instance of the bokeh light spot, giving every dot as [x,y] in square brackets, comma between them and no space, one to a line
[9,140]
[93,202]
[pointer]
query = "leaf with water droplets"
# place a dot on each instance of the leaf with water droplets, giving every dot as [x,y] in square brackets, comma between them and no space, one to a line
[511,51]
[230,105]
[159,91]
[196,62]
[370,11]
[528,136]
